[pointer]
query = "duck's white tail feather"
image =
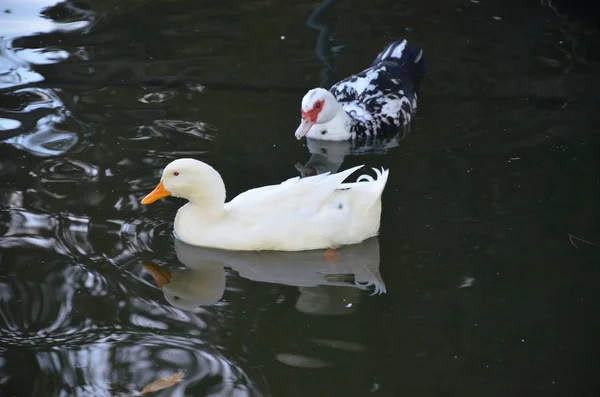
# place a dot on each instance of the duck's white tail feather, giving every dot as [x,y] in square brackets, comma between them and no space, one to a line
[364,178]
[378,185]
[374,186]
[324,188]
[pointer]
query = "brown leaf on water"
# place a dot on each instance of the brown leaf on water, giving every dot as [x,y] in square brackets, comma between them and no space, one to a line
[163,383]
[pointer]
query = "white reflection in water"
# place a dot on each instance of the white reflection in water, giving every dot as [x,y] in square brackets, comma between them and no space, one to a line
[295,360]
[157,97]
[195,87]
[326,287]
[328,301]
[467,282]
[142,321]
[19,19]
[41,56]
[340,345]
[328,156]
[46,141]
[24,18]
[9,124]
[14,70]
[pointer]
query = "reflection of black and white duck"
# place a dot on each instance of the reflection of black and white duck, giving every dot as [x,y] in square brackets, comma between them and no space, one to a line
[375,102]
[203,283]
[328,156]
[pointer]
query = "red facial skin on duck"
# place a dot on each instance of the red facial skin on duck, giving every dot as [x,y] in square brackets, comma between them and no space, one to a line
[309,118]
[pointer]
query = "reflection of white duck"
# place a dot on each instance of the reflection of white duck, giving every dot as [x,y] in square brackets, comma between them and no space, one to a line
[189,288]
[355,266]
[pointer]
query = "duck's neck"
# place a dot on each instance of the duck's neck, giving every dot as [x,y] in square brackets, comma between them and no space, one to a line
[209,213]
[209,204]
[339,128]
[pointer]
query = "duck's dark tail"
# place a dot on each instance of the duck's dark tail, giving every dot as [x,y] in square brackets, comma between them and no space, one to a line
[409,57]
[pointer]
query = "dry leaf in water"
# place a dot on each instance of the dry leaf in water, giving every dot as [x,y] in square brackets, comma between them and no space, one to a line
[163,383]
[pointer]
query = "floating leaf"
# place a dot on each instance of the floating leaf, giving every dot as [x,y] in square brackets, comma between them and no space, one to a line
[163,383]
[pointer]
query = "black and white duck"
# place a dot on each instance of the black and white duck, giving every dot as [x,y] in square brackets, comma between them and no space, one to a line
[375,102]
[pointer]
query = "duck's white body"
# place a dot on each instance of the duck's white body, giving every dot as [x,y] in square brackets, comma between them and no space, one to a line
[299,214]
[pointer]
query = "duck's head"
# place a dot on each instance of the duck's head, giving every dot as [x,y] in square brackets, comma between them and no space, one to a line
[190,179]
[318,106]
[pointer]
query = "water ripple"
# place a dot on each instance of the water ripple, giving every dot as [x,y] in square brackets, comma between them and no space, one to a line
[56,317]
[39,112]
[157,97]
[120,366]
[14,70]
[35,116]
[163,128]
[16,57]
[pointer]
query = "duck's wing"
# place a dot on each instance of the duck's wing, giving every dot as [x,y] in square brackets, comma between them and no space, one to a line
[300,196]
[385,78]
[398,69]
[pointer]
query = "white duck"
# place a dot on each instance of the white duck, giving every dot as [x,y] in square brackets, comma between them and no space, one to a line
[375,102]
[299,214]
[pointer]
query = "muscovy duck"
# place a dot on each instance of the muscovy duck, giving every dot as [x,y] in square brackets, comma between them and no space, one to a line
[375,102]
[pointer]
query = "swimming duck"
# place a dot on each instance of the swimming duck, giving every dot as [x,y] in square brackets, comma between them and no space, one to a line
[299,214]
[375,102]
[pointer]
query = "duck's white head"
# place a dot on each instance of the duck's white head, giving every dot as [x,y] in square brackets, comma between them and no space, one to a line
[319,106]
[189,179]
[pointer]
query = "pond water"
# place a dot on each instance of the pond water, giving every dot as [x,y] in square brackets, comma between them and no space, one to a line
[483,281]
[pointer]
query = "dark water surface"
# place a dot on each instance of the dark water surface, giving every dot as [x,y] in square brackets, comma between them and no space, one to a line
[473,288]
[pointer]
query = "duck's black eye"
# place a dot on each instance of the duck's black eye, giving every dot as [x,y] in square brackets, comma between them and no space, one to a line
[318,105]
[176,173]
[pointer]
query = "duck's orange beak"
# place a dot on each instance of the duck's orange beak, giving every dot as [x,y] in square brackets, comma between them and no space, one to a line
[160,276]
[158,193]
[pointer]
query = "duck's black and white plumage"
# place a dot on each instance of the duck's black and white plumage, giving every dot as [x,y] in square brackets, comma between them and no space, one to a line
[375,102]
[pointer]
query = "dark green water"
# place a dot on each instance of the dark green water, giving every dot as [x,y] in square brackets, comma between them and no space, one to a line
[481,291]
